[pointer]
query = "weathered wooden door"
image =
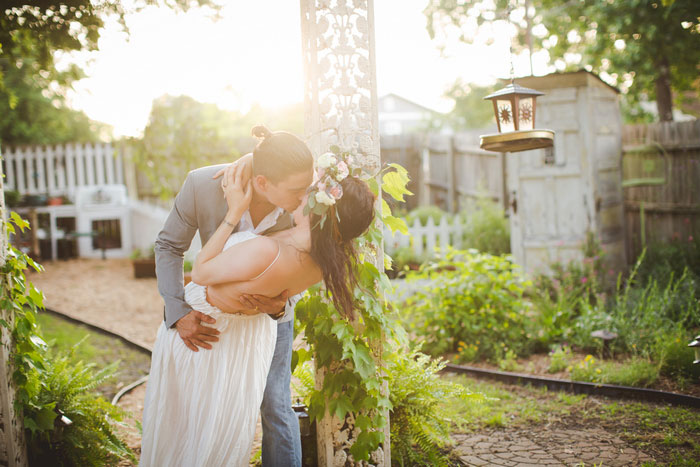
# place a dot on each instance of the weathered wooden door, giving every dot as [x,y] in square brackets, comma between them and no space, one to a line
[558,195]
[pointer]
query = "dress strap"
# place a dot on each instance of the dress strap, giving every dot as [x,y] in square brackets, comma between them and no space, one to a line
[279,250]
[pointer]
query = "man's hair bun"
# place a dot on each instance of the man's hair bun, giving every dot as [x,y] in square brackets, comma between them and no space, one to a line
[261,131]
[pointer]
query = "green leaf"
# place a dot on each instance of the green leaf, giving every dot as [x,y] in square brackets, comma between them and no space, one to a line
[396,224]
[45,418]
[394,183]
[363,361]
[18,221]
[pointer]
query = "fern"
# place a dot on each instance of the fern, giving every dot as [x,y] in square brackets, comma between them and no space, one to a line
[423,412]
[90,439]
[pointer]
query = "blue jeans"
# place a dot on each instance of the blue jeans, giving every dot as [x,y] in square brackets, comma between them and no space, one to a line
[281,442]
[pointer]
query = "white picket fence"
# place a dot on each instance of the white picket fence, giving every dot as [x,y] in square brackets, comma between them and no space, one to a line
[59,170]
[424,239]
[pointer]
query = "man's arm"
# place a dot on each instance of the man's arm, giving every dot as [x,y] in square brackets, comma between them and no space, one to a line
[170,246]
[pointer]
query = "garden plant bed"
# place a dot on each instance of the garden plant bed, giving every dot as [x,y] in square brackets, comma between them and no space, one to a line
[537,365]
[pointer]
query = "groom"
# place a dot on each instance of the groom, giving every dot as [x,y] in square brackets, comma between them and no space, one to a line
[282,169]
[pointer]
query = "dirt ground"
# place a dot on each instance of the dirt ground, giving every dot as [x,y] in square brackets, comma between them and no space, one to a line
[103,293]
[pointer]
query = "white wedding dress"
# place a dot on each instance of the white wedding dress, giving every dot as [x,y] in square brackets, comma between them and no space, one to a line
[201,408]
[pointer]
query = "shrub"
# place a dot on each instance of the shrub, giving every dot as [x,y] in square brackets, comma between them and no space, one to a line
[470,297]
[487,227]
[664,261]
[559,359]
[675,357]
[424,212]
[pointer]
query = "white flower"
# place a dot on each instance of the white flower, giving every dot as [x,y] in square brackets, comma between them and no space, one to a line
[343,171]
[326,160]
[323,198]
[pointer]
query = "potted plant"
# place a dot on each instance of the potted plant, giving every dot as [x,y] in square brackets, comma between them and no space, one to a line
[144,262]
[12,198]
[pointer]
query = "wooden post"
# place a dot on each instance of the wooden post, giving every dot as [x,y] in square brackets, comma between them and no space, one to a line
[340,102]
[11,429]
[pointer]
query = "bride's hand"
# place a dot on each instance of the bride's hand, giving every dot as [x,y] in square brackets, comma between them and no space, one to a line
[237,192]
[246,162]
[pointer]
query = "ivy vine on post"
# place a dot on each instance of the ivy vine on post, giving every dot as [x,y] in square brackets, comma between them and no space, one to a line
[348,352]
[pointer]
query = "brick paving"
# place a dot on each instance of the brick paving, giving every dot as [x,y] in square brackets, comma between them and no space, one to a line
[553,447]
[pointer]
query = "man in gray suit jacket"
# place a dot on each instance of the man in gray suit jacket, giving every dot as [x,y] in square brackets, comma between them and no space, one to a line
[282,169]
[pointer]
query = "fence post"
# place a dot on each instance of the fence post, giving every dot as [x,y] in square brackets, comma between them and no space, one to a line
[451,178]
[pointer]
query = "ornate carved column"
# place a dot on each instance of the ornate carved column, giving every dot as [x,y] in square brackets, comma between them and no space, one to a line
[341,109]
[12,447]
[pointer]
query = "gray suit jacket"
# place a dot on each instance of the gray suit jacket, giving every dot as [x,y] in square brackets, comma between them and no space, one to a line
[200,205]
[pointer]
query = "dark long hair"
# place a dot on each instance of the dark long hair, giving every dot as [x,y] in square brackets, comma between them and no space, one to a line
[279,154]
[332,246]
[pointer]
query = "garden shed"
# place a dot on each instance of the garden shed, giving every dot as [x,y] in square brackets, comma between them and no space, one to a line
[558,196]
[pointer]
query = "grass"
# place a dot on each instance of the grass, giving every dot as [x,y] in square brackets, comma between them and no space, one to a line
[670,434]
[62,335]
[636,372]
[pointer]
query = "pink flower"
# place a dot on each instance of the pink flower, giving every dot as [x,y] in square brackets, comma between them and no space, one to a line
[343,171]
[690,238]
[584,280]
[336,192]
[321,186]
[320,173]
[686,220]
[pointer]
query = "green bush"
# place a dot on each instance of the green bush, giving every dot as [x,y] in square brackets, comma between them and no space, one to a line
[487,227]
[664,261]
[424,212]
[559,359]
[470,297]
[424,409]
[675,357]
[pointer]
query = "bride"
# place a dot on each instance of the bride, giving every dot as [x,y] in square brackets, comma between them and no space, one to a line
[201,408]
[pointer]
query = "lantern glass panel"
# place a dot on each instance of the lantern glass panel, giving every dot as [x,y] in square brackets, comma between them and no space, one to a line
[526,116]
[505,115]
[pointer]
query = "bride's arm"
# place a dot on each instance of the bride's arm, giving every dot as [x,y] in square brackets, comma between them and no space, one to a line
[238,197]
[240,262]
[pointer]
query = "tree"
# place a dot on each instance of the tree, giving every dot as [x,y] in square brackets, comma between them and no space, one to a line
[647,47]
[183,134]
[30,34]
[470,110]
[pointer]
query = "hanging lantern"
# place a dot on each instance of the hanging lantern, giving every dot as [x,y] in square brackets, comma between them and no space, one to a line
[514,107]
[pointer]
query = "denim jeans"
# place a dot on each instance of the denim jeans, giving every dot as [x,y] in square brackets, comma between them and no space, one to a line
[281,442]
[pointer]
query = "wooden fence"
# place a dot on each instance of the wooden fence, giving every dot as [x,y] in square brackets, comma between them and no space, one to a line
[58,170]
[661,180]
[447,171]
[423,239]
[407,151]
[459,172]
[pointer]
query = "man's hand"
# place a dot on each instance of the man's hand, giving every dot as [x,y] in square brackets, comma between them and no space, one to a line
[263,304]
[245,163]
[193,333]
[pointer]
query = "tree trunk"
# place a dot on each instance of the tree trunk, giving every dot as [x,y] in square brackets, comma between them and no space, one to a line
[664,104]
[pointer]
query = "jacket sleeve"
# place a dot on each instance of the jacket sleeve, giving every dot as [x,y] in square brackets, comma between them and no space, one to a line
[170,246]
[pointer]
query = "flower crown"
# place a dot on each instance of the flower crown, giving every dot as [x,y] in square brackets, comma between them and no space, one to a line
[331,169]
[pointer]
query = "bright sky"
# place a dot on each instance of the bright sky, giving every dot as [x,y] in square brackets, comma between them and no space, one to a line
[253,54]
